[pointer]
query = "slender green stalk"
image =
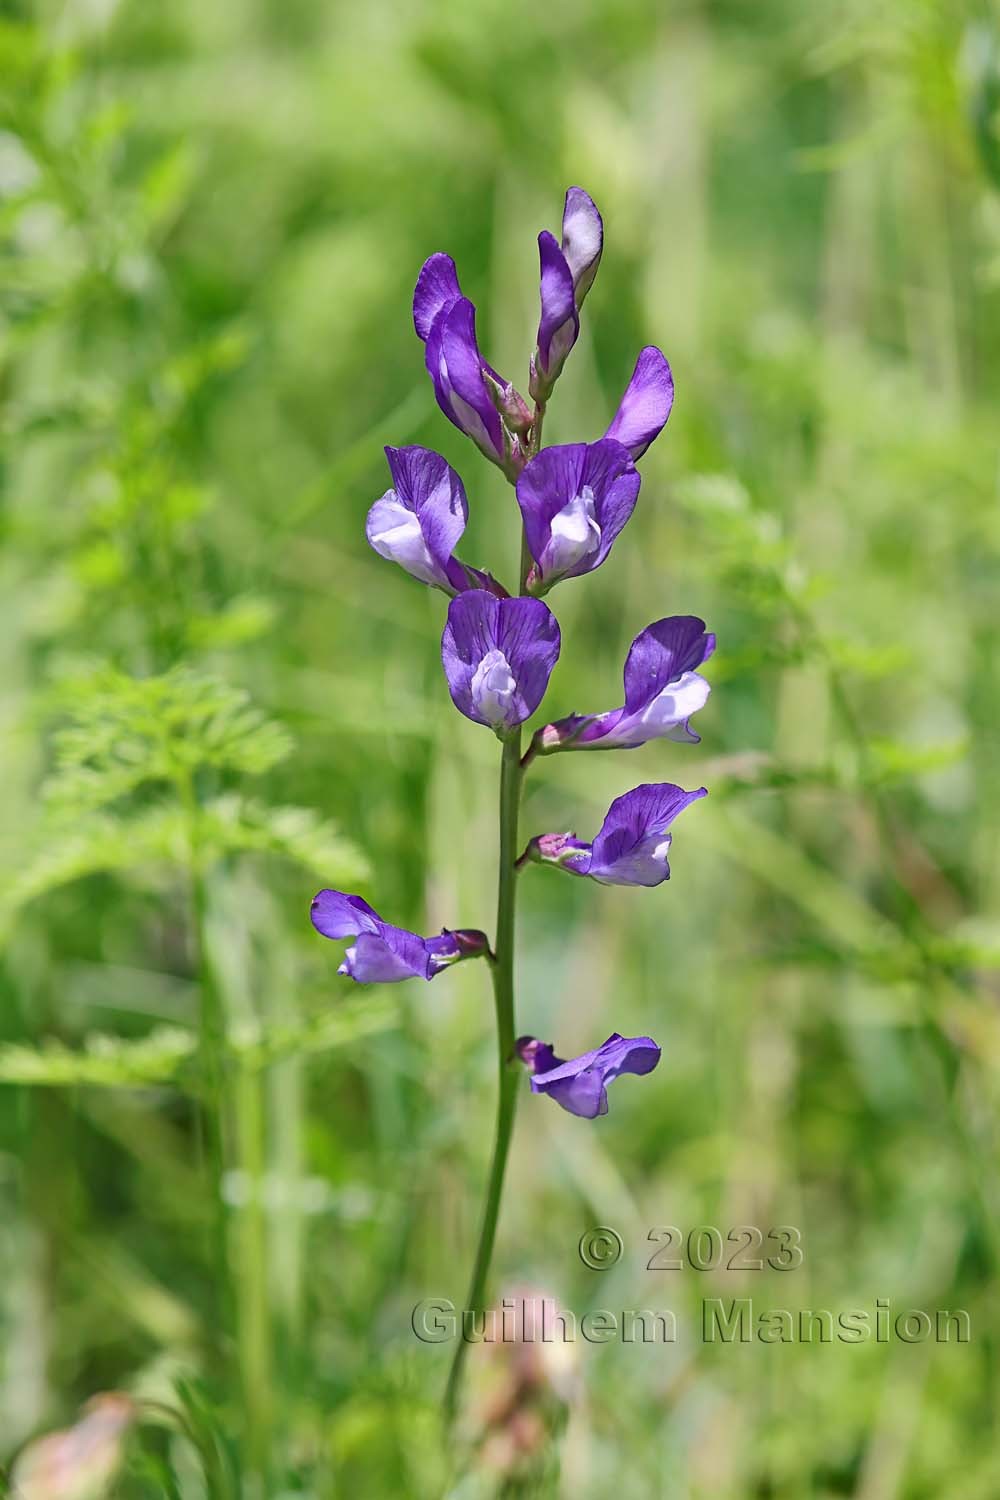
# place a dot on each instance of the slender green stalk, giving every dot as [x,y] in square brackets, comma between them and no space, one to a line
[511,779]
[503,999]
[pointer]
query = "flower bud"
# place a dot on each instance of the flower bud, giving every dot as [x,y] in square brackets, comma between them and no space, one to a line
[509,403]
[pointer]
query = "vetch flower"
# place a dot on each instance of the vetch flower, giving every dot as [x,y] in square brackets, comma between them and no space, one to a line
[567,273]
[580,1085]
[631,848]
[662,691]
[418,522]
[446,323]
[645,406]
[382,953]
[574,499]
[498,655]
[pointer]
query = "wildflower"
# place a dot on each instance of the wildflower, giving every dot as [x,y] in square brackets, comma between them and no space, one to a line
[580,1085]
[382,953]
[662,691]
[446,323]
[582,240]
[643,410]
[631,848]
[575,499]
[418,522]
[498,655]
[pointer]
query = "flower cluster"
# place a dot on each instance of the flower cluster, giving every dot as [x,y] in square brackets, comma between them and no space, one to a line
[498,648]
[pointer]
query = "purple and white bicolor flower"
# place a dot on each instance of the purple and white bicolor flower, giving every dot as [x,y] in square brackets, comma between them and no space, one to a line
[631,848]
[662,690]
[575,498]
[498,655]
[446,323]
[580,1085]
[567,274]
[418,522]
[645,406]
[383,954]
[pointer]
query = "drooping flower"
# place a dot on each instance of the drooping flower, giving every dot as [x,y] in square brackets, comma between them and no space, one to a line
[631,848]
[574,499]
[382,953]
[580,1085]
[662,691]
[498,655]
[567,274]
[446,323]
[643,410]
[417,523]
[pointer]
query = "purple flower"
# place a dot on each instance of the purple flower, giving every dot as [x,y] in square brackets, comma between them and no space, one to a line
[645,406]
[567,274]
[382,953]
[446,322]
[418,522]
[631,848]
[498,655]
[574,501]
[581,1085]
[559,324]
[662,691]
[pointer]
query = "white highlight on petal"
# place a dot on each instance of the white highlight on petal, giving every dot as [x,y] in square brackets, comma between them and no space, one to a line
[394,532]
[575,534]
[493,687]
[644,865]
[676,703]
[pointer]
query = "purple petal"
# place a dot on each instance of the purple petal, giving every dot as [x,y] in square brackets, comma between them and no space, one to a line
[631,848]
[646,403]
[456,370]
[337,915]
[582,240]
[387,956]
[580,1085]
[437,288]
[560,323]
[498,655]
[419,520]
[575,498]
[662,653]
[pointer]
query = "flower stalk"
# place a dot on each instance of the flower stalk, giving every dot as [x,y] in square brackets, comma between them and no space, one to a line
[498,651]
[508,1072]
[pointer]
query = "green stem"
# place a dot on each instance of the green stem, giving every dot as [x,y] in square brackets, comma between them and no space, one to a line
[508,1079]
[212,1043]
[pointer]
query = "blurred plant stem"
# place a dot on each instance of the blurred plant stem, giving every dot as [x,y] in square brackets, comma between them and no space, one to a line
[241,1299]
[511,777]
[212,1119]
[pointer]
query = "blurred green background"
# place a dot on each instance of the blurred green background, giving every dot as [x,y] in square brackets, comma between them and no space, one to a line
[211,219]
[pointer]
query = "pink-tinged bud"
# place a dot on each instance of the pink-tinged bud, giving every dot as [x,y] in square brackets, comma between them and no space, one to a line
[509,403]
[80,1462]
